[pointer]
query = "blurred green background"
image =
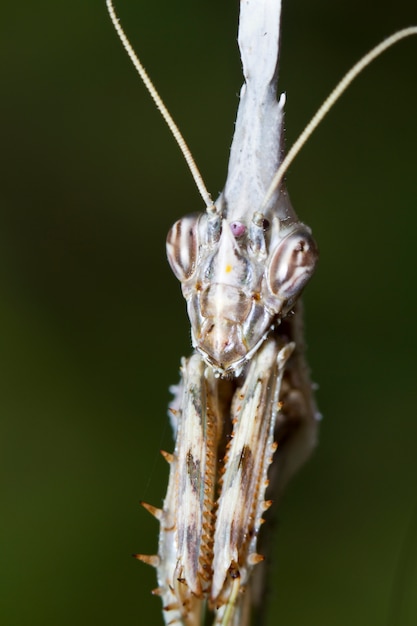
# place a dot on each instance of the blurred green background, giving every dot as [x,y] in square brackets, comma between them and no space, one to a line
[93,324]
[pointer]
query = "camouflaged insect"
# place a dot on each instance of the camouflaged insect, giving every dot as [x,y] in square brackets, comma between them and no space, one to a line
[243,413]
[246,390]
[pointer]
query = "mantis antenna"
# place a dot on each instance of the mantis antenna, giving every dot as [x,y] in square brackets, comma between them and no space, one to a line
[299,143]
[162,108]
[340,88]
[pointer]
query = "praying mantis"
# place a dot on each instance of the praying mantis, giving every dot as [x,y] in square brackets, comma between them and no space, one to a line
[244,415]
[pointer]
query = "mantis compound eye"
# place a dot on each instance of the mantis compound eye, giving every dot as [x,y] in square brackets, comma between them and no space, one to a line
[292,263]
[182,246]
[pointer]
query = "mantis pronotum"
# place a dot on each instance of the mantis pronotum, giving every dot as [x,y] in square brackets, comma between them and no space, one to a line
[244,413]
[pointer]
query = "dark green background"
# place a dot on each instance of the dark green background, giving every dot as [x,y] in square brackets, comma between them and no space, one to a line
[93,323]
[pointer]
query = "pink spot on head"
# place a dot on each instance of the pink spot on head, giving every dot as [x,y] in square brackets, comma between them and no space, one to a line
[238,229]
